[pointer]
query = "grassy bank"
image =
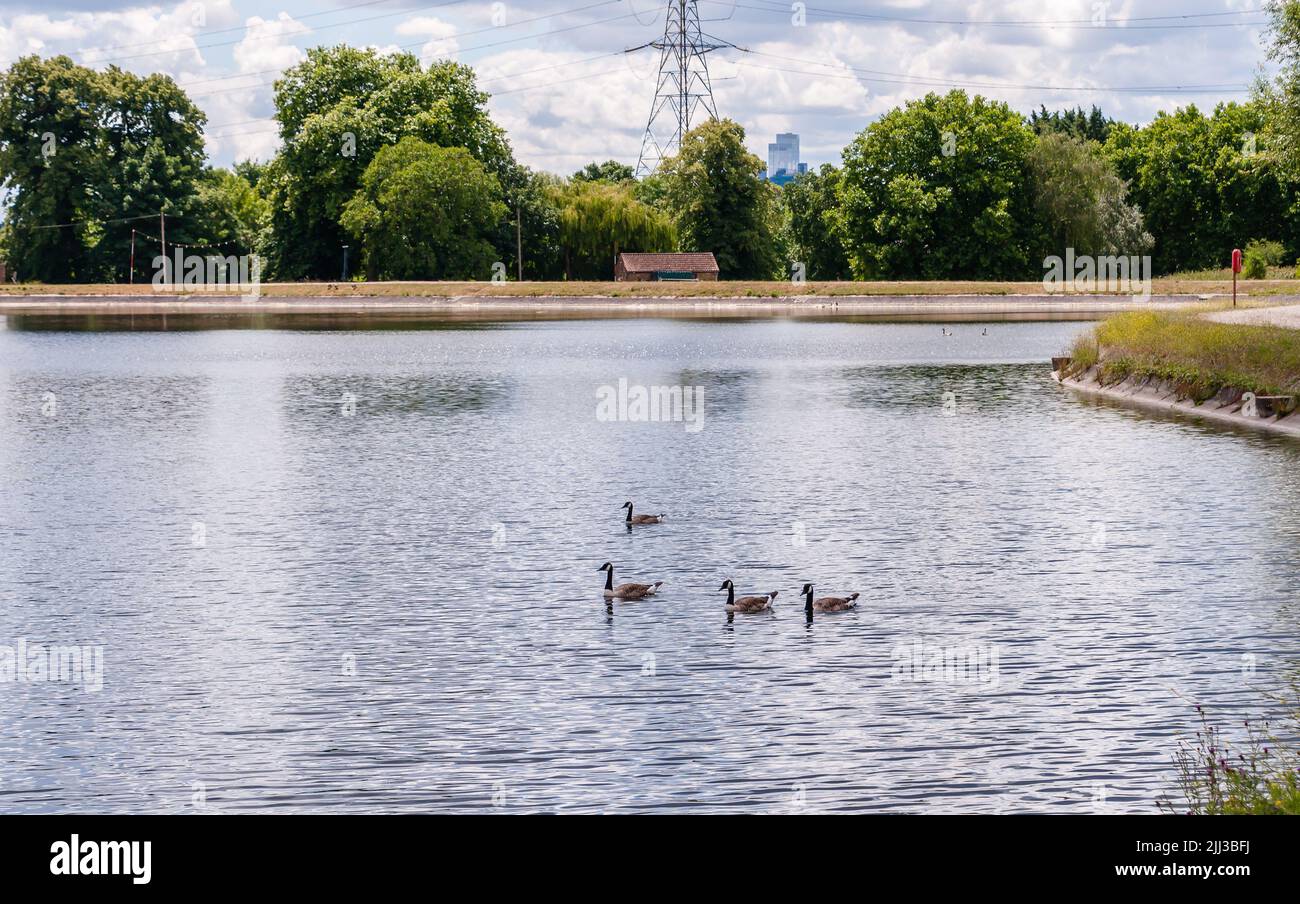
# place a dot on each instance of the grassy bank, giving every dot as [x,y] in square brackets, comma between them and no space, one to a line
[1175,285]
[1199,355]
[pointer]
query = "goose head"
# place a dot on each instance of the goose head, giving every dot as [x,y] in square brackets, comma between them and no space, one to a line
[608,566]
[727,585]
[626,505]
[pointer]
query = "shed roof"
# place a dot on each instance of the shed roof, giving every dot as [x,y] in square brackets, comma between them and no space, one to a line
[691,261]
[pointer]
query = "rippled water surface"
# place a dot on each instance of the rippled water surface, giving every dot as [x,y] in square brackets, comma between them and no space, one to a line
[399,610]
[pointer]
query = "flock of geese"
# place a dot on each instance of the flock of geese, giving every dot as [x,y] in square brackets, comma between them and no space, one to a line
[748,605]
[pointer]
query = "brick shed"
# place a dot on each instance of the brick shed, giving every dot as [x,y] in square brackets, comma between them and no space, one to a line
[673,266]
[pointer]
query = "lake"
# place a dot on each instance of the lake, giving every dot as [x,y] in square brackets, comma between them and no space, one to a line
[334,570]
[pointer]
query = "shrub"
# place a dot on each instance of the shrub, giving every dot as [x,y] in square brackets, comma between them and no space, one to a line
[1255,267]
[1271,253]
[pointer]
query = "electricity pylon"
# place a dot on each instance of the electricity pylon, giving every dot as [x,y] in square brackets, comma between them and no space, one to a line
[683,89]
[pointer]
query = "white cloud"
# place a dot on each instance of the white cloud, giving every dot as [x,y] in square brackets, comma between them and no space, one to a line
[562,108]
[240,120]
[440,45]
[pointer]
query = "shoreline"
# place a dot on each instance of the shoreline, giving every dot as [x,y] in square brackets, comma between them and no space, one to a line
[1161,396]
[487,306]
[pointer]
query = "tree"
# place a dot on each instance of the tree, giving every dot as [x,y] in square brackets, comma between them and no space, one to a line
[940,189]
[600,219]
[336,110]
[810,203]
[1280,97]
[718,202]
[609,171]
[1080,199]
[1093,125]
[425,212]
[88,156]
[233,212]
[1202,186]
[532,197]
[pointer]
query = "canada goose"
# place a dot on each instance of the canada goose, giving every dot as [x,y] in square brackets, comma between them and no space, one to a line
[641,519]
[626,591]
[986,331]
[747,603]
[828,603]
[945,331]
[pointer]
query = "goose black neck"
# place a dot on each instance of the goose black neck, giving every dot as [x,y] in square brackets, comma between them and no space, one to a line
[629,512]
[731,595]
[609,578]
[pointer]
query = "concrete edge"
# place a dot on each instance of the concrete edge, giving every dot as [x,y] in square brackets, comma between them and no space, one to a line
[1161,399]
[815,305]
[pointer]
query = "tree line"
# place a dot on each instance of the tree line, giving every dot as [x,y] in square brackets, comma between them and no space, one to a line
[403,164]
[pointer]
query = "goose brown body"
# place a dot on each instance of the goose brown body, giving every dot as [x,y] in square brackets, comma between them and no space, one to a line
[829,603]
[629,591]
[747,604]
[641,519]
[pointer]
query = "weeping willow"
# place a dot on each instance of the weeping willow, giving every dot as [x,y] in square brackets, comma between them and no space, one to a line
[598,220]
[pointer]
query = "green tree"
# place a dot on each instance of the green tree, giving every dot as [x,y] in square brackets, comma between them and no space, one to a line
[1280,96]
[598,220]
[940,189]
[425,212]
[609,171]
[230,210]
[104,151]
[1081,199]
[533,220]
[336,110]
[1202,184]
[718,202]
[810,203]
[1092,125]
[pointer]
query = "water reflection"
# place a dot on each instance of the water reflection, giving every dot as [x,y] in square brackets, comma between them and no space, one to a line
[318,398]
[396,608]
[473,319]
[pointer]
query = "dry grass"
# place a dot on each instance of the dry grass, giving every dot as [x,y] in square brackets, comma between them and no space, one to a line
[722,289]
[1199,354]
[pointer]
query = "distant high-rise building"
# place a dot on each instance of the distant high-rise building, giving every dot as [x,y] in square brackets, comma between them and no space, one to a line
[783,158]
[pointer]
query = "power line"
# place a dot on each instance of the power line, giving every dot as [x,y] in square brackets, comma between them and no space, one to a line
[233,28]
[147,216]
[579,78]
[566,81]
[1079,24]
[461,34]
[904,78]
[277,36]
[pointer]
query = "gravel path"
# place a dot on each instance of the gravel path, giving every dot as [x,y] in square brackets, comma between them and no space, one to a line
[1285,315]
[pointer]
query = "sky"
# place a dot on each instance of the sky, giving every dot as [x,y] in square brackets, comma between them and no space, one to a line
[567,92]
